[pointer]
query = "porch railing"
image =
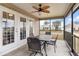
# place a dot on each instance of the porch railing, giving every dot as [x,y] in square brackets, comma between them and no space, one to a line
[76,43]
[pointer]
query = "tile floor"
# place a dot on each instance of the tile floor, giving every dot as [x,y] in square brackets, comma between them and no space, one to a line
[61,50]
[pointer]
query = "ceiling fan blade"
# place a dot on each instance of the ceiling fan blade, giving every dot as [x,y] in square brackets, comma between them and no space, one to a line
[45,7]
[34,11]
[35,8]
[46,11]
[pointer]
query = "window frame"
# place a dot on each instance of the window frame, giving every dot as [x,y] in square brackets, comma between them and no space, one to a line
[5,34]
[50,24]
[22,32]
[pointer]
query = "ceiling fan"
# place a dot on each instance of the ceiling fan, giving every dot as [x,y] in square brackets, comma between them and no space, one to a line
[41,8]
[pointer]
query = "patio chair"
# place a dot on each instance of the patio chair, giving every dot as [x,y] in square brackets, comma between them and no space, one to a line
[34,45]
[51,42]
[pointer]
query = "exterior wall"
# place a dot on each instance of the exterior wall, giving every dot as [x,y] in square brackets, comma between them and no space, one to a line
[17,42]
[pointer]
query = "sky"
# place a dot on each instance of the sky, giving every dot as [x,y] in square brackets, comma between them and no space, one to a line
[75,18]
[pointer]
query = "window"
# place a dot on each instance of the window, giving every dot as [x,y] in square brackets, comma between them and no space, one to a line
[56,26]
[68,23]
[8,28]
[51,26]
[76,22]
[22,28]
[45,27]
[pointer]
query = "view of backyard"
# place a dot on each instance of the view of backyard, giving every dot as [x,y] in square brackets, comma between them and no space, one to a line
[52,26]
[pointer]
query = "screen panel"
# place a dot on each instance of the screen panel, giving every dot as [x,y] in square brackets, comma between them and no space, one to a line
[68,23]
[45,27]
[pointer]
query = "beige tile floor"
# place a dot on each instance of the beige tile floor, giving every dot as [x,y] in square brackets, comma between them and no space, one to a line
[61,50]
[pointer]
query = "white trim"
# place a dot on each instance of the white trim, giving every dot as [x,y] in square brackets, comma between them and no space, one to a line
[13,48]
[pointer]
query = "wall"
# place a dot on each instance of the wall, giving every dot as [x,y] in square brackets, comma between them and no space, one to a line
[18,43]
[36,27]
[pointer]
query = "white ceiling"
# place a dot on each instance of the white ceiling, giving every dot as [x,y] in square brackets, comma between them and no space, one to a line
[56,9]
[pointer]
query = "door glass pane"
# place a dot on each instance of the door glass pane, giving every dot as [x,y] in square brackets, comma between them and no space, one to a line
[22,30]
[8,31]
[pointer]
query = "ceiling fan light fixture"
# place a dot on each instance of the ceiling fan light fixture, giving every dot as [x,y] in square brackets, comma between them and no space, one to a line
[41,9]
